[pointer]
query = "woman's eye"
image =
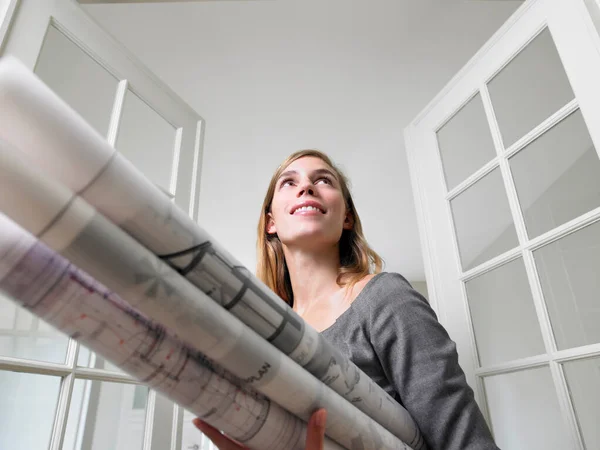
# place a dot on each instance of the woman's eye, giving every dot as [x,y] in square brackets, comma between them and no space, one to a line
[326,180]
[286,183]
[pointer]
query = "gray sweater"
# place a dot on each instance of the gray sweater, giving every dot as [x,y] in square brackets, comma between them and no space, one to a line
[392,334]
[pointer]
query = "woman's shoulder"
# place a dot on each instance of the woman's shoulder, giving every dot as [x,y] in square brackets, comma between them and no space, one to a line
[390,292]
[385,283]
[380,297]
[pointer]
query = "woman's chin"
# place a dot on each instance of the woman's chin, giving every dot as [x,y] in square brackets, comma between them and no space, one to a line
[311,240]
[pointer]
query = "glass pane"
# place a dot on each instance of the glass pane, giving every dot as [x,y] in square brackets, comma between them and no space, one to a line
[503,315]
[465,143]
[191,437]
[162,436]
[140,397]
[583,380]
[27,410]
[79,80]
[85,358]
[557,176]
[147,140]
[103,415]
[531,88]
[23,335]
[483,222]
[524,411]
[568,270]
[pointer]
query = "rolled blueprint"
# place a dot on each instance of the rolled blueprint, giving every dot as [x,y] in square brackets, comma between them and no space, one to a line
[50,287]
[60,142]
[71,227]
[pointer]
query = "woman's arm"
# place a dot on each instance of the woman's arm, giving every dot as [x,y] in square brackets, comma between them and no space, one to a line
[421,362]
[315,433]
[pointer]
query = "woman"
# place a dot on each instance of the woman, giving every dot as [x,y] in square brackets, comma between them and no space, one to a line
[311,251]
[315,435]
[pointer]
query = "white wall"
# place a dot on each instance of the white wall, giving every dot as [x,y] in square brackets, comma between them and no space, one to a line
[594,9]
[421,288]
[272,77]
[4,19]
[3,9]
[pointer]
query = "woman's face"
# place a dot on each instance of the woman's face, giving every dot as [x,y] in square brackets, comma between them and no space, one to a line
[308,207]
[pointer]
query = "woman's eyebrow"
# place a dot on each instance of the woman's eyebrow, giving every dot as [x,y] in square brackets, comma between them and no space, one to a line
[287,173]
[324,172]
[321,171]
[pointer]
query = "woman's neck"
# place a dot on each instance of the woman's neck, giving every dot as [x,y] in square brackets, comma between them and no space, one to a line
[313,276]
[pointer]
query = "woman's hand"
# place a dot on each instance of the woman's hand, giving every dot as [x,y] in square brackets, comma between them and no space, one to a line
[315,434]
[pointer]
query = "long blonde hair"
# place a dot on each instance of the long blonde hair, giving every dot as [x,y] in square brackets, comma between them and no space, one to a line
[357,258]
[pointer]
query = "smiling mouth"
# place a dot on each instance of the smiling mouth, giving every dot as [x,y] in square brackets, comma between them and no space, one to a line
[307,208]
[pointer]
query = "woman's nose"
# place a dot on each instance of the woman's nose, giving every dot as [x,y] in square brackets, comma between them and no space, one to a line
[306,187]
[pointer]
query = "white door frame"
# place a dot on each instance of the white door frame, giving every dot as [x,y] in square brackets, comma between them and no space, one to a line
[71,20]
[32,19]
[444,274]
[7,13]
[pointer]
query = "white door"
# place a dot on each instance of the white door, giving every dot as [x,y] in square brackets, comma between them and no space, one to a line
[77,400]
[506,175]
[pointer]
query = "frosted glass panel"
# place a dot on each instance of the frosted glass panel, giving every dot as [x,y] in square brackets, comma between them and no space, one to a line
[557,176]
[503,315]
[531,88]
[105,415]
[85,358]
[191,437]
[483,222]
[79,80]
[147,140]
[23,335]
[583,379]
[524,411]
[162,436]
[465,143]
[27,410]
[568,270]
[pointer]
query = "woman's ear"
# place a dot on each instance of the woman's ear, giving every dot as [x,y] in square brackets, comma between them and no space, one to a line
[349,221]
[270,227]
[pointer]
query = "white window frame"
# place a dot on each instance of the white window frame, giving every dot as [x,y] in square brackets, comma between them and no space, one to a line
[445,277]
[70,19]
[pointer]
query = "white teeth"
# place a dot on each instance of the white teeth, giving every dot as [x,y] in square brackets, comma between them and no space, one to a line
[307,208]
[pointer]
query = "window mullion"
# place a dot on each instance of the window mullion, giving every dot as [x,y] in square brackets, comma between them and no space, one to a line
[64,398]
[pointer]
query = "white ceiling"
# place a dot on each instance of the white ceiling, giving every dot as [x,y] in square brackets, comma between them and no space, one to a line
[161,1]
[189,1]
[271,77]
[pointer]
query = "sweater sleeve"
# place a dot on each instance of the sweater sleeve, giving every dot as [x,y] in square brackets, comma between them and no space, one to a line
[421,361]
